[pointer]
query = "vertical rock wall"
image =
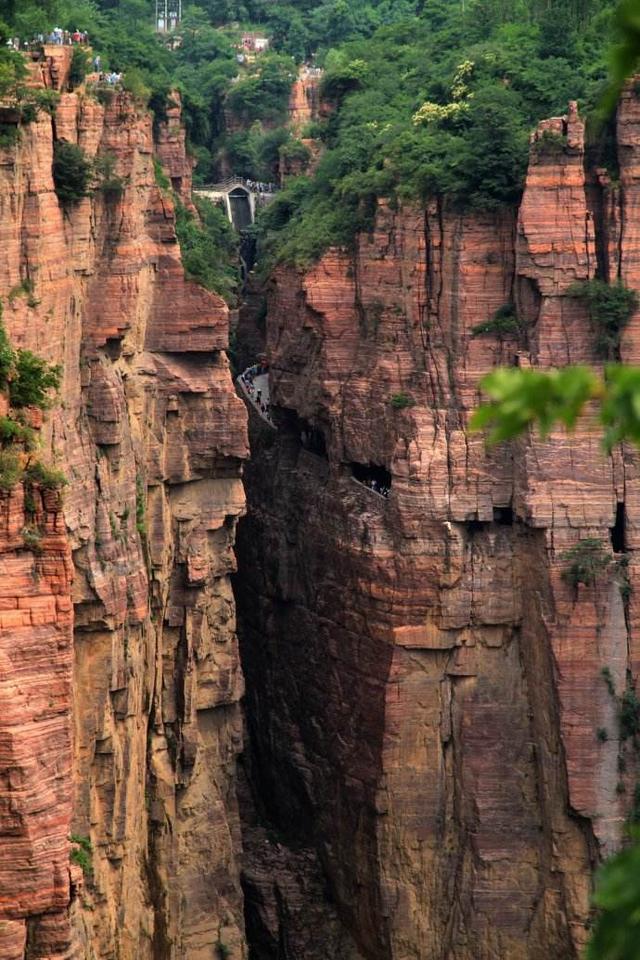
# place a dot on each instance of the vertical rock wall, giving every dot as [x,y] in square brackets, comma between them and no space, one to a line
[304,100]
[425,690]
[151,436]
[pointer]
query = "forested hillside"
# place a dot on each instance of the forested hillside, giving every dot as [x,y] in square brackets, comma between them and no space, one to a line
[423,98]
[203,65]
[442,104]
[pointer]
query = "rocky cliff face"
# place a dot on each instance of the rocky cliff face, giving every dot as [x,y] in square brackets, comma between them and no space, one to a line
[304,102]
[128,737]
[425,691]
[426,773]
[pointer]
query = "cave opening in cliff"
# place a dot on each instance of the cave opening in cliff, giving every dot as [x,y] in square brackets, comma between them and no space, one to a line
[113,348]
[617,531]
[307,435]
[504,516]
[313,441]
[475,525]
[372,475]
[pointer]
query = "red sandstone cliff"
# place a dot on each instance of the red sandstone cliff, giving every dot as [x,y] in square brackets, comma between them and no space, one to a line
[171,150]
[304,101]
[424,689]
[151,437]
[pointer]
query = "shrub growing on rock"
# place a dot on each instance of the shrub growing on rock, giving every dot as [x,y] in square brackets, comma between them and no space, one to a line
[79,67]
[400,401]
[81,854]
[49,478]
[32,538]
[141,495]
[110,184]
[7,355]
[12,431]
[34,380]
[10,470]
[550,143]
[610,307]
[585,561]
[629,713]
[503,323]
[32,102]
[162,180]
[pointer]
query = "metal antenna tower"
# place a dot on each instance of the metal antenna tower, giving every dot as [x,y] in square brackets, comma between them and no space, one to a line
[168,15]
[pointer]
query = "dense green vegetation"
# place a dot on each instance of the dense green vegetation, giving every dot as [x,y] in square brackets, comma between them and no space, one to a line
[428,98]
[198,238]
[81,853]
[440,104]
[504,323]
[29,381]
[617,932]
[71,172]
[610,307]
[585,561]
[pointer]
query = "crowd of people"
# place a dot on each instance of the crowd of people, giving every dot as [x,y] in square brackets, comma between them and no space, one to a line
[112,79]
[254,392]
[64,37]
[257,186]
[58,37]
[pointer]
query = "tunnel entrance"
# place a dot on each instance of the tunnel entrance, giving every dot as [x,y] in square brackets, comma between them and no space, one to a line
[304,434]
[503,516]
[240,206]
[312,439]
[373,476]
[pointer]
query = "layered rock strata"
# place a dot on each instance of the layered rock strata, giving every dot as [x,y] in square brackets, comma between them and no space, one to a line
[426,698]
[151,436]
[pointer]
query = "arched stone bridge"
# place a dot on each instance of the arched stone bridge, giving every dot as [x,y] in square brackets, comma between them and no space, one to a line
[241,198]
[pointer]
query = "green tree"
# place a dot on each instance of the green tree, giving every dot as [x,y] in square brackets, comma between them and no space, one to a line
[71,172]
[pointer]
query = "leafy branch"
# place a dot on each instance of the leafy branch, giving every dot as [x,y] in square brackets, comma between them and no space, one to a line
[521,399]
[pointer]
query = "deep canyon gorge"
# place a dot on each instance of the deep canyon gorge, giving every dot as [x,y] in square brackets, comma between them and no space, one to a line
[296,719]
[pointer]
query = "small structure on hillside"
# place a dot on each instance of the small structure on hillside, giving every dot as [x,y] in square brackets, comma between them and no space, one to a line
[252,43]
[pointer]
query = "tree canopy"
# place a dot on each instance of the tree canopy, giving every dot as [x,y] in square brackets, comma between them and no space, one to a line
[440,103]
